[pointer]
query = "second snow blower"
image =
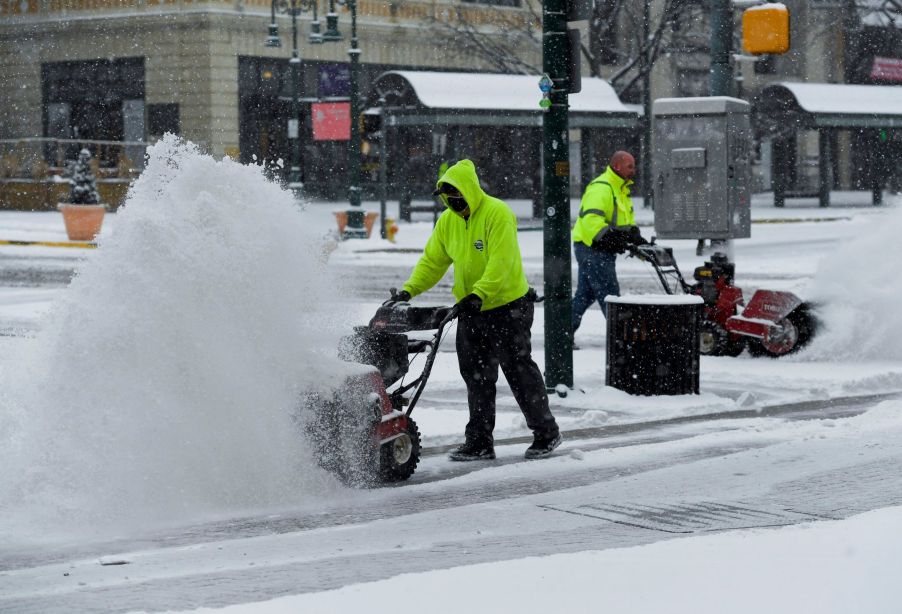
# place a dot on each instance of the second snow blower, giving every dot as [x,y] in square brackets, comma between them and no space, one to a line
[773,323]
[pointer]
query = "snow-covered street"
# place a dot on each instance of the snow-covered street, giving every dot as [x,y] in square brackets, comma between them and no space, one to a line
[151,462]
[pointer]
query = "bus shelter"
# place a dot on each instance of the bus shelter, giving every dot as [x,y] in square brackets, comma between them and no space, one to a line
[870,113]
[421,119]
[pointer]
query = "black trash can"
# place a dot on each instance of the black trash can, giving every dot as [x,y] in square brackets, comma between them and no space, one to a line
[653,343]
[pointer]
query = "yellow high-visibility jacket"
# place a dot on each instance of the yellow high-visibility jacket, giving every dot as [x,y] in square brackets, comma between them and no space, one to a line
[605,204]
[483,248]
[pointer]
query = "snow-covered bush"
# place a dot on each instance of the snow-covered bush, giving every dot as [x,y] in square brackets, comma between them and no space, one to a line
[83,183]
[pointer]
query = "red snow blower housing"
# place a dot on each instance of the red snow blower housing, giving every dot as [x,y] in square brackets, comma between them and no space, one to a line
[774,323]
[364,434]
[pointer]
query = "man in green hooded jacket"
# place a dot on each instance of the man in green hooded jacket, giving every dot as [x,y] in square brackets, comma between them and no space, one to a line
[477,233]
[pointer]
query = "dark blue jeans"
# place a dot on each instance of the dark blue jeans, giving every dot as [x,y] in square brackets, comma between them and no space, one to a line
[597,279]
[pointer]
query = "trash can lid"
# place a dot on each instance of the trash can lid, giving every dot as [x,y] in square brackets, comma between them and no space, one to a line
[655,299]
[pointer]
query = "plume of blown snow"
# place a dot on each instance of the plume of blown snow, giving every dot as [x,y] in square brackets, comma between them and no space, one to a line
[857,293]
[164,385]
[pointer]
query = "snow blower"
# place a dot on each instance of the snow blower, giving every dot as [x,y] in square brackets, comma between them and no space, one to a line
[774,323]
[364,434]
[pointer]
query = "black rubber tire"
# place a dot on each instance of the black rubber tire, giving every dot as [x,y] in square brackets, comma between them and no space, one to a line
[804,324]
[708,342]
[395,469]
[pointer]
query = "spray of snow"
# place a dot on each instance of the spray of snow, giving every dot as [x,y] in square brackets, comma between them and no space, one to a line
[163,385]
[858,294]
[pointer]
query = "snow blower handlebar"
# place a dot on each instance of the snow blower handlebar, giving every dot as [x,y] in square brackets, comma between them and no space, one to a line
[662,261]
[433,344]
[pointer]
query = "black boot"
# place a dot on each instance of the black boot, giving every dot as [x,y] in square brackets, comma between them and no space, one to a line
[543,446]
[470,451]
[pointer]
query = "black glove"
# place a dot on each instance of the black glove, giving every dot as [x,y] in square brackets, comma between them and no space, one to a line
[471,303]
[636,237]
[613,241]
[399,297]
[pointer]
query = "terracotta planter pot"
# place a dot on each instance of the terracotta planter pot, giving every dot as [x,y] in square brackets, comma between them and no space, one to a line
[83,222]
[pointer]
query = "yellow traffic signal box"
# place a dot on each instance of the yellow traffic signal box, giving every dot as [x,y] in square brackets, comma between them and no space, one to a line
[765,29]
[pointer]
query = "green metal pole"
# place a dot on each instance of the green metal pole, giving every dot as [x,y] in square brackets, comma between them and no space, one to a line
[645,64]
[294,177]
[556,197]
[721,48]
[355,227]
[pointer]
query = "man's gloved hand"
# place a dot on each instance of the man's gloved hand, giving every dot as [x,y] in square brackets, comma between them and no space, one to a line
[471,303]
[636,237]
[613,241]
[399,297]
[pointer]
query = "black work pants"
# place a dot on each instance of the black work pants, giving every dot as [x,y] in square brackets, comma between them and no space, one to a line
[502,337]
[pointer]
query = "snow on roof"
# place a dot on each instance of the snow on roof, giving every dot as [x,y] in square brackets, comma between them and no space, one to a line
[458,90]
[841,98]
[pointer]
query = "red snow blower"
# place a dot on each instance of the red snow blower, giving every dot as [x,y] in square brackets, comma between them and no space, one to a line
[774,323]
[364,434]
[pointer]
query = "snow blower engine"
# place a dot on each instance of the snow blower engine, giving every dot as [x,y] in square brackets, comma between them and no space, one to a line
[364,434]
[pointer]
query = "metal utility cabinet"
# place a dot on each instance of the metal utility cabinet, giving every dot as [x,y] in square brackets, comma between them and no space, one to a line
[701,168]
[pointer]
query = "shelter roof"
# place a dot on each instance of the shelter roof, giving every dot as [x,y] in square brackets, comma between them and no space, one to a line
[830,105]
[455,98]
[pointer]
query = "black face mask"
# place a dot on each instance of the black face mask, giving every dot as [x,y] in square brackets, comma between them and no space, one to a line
[451,198]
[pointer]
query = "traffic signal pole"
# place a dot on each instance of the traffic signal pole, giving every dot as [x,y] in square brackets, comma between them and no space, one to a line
[721,48]
[556,198]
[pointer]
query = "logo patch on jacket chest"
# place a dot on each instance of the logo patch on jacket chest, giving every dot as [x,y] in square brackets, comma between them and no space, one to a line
[479,245]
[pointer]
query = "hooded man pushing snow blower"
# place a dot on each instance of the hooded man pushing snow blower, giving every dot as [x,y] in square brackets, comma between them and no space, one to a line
[478,235]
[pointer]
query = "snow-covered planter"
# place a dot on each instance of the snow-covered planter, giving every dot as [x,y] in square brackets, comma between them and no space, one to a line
[83,214]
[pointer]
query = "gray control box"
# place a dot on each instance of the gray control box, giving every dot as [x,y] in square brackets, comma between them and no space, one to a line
[702,168]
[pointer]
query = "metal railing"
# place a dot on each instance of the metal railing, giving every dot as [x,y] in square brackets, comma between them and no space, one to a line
[42,158]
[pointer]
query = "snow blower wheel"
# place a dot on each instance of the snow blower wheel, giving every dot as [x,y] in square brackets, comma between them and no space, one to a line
[399,457]
[791,333]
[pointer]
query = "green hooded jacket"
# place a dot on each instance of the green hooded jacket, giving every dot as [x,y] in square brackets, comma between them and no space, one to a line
[606,203]
[483,249]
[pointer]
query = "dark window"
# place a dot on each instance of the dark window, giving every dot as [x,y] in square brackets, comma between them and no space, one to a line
[163,118]
[97,100]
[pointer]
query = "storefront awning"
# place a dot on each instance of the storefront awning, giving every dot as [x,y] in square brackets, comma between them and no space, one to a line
[477,99]
[811,106]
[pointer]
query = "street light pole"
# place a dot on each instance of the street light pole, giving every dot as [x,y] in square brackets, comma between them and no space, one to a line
[355,228]
[294,132]
[293,8]
[355,215]
[354,146]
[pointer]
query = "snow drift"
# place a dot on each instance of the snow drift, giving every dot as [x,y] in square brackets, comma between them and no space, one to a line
[163,384]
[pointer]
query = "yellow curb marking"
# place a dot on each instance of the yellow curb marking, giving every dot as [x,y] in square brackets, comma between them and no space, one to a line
[79,244]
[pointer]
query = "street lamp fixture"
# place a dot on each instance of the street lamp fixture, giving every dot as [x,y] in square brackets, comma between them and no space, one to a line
[332,34]
[273,39]
[316,36]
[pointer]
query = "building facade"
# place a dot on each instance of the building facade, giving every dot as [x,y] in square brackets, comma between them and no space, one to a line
[109,71]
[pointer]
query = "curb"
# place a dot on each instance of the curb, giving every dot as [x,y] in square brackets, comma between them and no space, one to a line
[76,244]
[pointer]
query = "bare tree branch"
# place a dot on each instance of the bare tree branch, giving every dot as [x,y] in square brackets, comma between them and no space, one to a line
[614,37]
